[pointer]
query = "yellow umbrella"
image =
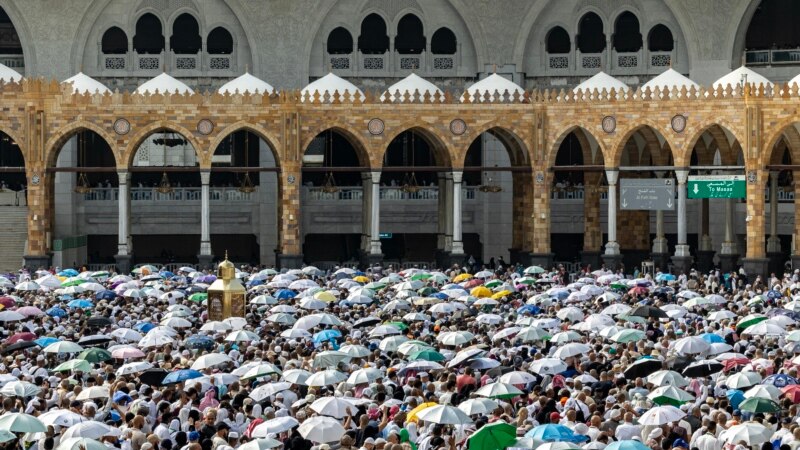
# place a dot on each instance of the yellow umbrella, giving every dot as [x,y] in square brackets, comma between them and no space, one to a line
[325,296]
[462,277]
[412,415]
[361,279]
[480,292]
[501,294]
[424,301]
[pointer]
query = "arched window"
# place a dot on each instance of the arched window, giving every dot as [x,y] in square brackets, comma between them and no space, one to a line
[410,37]
[774,26]
[9,39]
[340,42]
[591,38]
[149,37]
[220,42]
[185,39]
[627,37]
[373,39]
[660,39]
[558,41]
[443,42]
[114,42]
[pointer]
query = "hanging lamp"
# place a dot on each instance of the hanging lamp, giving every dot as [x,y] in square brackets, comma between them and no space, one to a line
[329,186]
[82,186]
[410,183]
[489,187]
[164,187]
[246,186]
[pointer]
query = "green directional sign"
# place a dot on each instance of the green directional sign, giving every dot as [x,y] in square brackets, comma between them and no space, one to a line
[385,235]
[717,186]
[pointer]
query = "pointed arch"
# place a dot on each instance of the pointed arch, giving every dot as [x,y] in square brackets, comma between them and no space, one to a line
[434,140]
[272,141]
[352,137]
[583,130]
[718,129]
[644,127]
[163,126]
[513,140]
[63,134]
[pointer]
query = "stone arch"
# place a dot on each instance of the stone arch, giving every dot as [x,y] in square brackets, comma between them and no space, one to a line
[625,136]
[660,38]
[511,137]
[683,158]
[163,125]
[738,31]
[217,35]
[21,144]
[580,38]
[21,27]
[185,15]
[365,156]
[63,134]
[632,19]
[271,140]
[437,143]
[785,129]
[553,150]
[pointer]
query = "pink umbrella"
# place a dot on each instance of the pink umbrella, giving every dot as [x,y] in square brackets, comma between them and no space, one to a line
[28,311]
[127,353]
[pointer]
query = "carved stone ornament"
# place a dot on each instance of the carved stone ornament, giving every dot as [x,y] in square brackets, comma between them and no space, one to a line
[376,127]
[609,124]
[540,177]
[458,127]
[205,127]
[678,123]
[122,126]
[752,177]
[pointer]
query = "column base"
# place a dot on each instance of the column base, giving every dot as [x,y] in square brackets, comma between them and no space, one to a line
[660,261]
[728,262]
[682,264]
[123,263]
[613,261]
[705,260]
[205,261]
[368,260]
[543,260]
[776,260]
[754,267]
[590,258]
[286,261]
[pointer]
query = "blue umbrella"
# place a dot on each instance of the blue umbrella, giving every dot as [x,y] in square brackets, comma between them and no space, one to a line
[627,445]
[440,295]
[554,433]
[144,327]
[66,297]
[45,341]
[735,397]
[105,295]
[68,273]
[326,335]
[200,342]
[166,274]
[56,312]
[780,380]
[195,289]
[181,375]
[529,309]
[665,277]
[452,286]
[255,282]
[284,294]
[712,338]
[80,303]
[774,295]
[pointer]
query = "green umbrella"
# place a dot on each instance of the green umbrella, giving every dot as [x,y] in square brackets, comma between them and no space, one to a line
[628,335]
[421,276]
[670,395]
[427,291]
[495,436]
[72,282]
[95,355]
[399,325]
[533,270]
[493,284]
[198,297]
[759,405]
[526,281]
[375,285]
[21,423]
[427,355]
[618,286]
[751,319]
[74,364]
[634,319]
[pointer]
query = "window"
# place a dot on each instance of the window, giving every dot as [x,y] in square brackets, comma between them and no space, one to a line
[220,42]
[149,36]
[115,41]
[558,41]
[774,26]
[591,38]
[373,39]
[9,39]
[443,42]
[185,39]
[660,39]
[627,37]
[340,42]
[410,37]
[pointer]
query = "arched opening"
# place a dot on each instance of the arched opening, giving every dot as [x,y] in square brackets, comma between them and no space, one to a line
[443,42]
[660,39]
[236,193]
[332,191]
[782,233]
[410,37]
[557,41]
[591,38]
[13,202]
[11,159]
[340,42]
[84,187]
[220,42]
[115,42]
[185,39]
[10,43]
[627,37]
[774,26]
[149,37]
[373,39]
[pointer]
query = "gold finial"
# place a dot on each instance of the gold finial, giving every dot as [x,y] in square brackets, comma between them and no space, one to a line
[226,255]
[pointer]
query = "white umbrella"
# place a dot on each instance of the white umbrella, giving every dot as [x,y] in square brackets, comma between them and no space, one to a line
[61,417]
[768,391]
[259,370]
[325,378]
[743,379]
[444,414]
[667,377]
[176,322]
[477,406]
[549,366]
[126,334]
[267,390]
[671,392]
[63,347]
[93,392]
[321,429]
[691,345]
[333,407]
[751,432]
[455,337]
[91,429]
[764,329]
[81,443]
[20,389]
[531,334]
[27,286]
[517,377]
[570,313]
[211,360]
[216,326]
[571,349]
[489,319]
[134,367]
[274,426]
[296,376]
[497,389]
[241,336]
[155,340]
[11,316]
[392,343]
[261,444]
[366,375]
[661,415]
[355,351]
[384,330]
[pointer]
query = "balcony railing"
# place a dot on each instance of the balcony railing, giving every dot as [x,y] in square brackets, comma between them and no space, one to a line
[199,64]
[785,194]
[356,194]
[620,63]
[15,62]
[391,63]
[772,57]
[178,194]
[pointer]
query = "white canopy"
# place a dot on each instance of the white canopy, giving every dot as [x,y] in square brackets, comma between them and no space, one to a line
[8,74]
[668,79]
[164,84]
[246,83]
[601,81]
[411,84]
[495,85]
[736,78]
[330,83]
[82,83]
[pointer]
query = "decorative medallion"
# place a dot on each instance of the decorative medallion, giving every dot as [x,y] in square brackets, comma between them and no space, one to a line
[35,179]
[540,177]
[291,179]
[752,177]
[122,126]
[678,123]
[458,127]
[376,127]
[205,127]
[609,124]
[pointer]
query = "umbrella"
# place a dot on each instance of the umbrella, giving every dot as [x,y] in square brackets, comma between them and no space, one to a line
[93,392]
[95,355]
[81,443]
[274,426]
[780,380]
[691,345]
[180,376]
[554,432]
[627,445]
[759,405]
[91,429]
[477,406]
[134,367]
[261,370]
[153,377]
[77,365]
[61,417]
[498,390]
[333,406]
[363,376]
[444,414]
[261,444]
[549,366]
[266,390]
[571,349]
[764,391]
[20,389]
[495,436]
[21,423]
[751,432]
[670,395]
[702,368]
[321,429]
[648,311]
[642,368]
[63,347]
[628,335]
[743,380]
[325,378]
[296,376]
[210,360]
[661,415]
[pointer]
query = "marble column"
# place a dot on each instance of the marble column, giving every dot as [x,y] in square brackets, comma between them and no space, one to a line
[205,257]
[366,212]
[375,216]
[705,253]
[774,242]
[458,244]
[612,256]
[660,251]
[729,252]
[682,261]
[124,250]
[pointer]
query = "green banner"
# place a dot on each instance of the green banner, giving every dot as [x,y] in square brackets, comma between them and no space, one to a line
[717,186]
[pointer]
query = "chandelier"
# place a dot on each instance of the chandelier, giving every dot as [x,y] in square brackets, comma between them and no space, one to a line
[329,185]
[82,186]
[489,187]
[410,183]
[246,186]
[164,186]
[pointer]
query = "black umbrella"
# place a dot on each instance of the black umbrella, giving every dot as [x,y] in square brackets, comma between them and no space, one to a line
[366,322]
[97,339]
[99,321]
[21,345]
[642,368]
[153,377]
[648,311]
[499,370]
[702,368]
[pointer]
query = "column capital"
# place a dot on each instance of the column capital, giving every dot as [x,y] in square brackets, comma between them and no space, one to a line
[124,176]
[205,176]
[682,175]
[458,175]
[375,175]
[612,175]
